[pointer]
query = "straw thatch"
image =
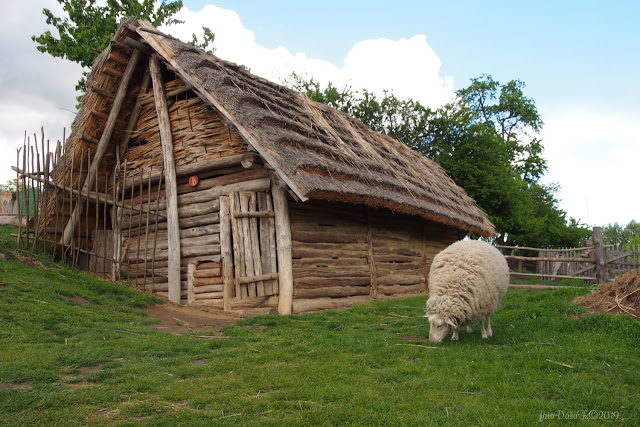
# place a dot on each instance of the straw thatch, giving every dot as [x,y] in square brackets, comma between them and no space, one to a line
[323,153]
[319,152]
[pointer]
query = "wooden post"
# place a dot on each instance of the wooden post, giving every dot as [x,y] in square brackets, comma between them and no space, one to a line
[225,253]
[102,144]
[191,296]
[283,242]
[601,256]
[171,185]
[370,257]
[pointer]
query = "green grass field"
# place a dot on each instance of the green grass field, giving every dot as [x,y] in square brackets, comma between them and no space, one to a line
[75,350]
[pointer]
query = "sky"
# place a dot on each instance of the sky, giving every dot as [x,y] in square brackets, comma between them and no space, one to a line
[580,61]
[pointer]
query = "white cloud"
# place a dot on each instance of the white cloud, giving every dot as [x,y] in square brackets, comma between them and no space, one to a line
[409,67]
[594,157]
[36,90]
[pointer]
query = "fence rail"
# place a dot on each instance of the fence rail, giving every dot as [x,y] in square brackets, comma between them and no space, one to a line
[113,236]
[585,263]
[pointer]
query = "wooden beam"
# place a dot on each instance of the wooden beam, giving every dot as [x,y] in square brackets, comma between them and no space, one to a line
[102,144]
[191,268]
[283,243]
[526,258]
[601,257]
[226,251]
[257,214]
[171,185]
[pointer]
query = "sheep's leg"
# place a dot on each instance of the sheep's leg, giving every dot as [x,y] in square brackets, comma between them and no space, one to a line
[454,337]
[483,331]
[469,329]
[489,331]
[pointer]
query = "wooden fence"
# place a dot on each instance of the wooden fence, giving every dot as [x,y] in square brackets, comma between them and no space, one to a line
[117,229]
[593,262]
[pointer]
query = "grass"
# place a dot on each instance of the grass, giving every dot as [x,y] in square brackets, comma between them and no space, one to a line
[78,350]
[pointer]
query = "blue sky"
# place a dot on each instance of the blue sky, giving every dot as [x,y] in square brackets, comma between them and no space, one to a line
[579,60]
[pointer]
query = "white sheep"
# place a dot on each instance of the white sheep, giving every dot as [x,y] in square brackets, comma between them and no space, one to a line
[466,284]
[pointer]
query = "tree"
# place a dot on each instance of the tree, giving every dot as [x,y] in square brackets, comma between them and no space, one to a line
[617,235]
[87,28]
[486,140]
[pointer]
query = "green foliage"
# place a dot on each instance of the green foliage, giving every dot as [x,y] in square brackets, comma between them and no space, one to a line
[486,140]
[87,27]
[78,350]
[207,41]
[616,235]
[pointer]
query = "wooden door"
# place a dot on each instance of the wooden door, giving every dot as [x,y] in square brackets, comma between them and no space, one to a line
[254,244]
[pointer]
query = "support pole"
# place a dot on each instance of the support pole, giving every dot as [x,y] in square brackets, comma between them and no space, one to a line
[601,256]
[226,250]
[102,145]
[166,139]
[283,242]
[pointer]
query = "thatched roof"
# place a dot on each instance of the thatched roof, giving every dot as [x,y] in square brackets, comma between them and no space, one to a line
[319,152]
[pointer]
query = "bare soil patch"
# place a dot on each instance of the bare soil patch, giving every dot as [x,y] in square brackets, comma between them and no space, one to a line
[178,319]
[619,296]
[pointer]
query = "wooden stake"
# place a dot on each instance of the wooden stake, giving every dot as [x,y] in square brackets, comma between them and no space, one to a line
[283,241]
[104,140]
[191,268]
[166,139]
[226,253]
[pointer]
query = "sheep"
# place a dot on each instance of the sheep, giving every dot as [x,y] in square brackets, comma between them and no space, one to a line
[466,284]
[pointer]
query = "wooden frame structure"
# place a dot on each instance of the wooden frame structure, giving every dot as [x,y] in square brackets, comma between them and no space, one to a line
[211,186]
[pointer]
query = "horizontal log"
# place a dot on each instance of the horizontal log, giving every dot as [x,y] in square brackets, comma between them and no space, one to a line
[207,289]
[261,184]
[103,92]
[212,303]
[331,292]
[554,276]
[400,289]
[209,295]
[208,265]
[89,138]
[117,59]
[328,262]
[196,221]
[205,281]
[314,282]
[209,272]
[393,258]
[324,237]
[332,271]
[399,279]
[258,214]
[99,114]
[220,179]
[393,268]
[302,305]
[524,258]
[251,160]
[260,278]
[404,251]
[113,72]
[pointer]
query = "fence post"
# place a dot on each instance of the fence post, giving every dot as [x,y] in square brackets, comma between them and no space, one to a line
[601,257]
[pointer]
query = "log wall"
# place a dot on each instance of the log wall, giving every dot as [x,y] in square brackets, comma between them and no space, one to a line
[344,254]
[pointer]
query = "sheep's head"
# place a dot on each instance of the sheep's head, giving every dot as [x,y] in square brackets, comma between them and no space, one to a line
[439,326]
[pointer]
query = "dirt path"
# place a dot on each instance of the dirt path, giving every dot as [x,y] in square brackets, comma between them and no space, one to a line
[182,319]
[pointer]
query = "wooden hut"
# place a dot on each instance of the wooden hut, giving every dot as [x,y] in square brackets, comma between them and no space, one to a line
[212,186]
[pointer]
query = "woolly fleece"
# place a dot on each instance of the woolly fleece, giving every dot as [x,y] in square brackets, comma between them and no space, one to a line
[467,282]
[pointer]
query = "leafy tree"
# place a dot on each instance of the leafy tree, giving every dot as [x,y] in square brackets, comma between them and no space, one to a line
[87,28]
[486,140]
[617,235]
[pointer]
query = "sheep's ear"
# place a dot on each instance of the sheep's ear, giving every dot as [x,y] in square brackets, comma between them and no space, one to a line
[450,322]
[428,315]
